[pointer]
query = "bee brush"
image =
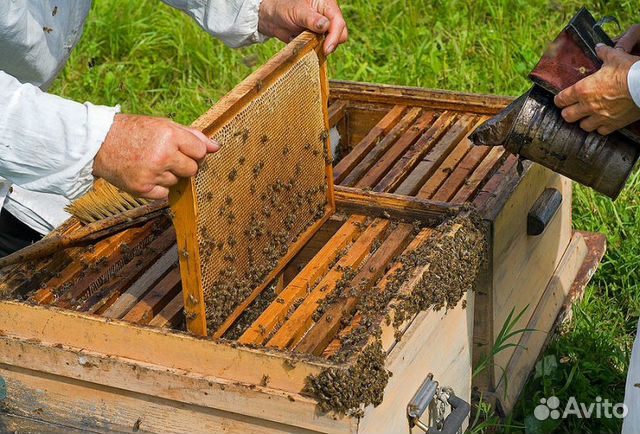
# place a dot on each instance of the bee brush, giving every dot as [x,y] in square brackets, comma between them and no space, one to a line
[104,210]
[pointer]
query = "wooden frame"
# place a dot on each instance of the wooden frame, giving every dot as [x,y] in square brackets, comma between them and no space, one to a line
[182,197]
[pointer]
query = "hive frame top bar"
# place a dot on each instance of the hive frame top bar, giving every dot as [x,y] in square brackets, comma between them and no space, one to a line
[183,197]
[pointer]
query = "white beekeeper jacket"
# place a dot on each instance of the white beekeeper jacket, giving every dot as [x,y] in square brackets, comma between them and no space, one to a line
[631,423]
[48,143]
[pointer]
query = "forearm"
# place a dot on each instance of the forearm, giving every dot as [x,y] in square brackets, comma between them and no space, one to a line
[48,143]
[235,22]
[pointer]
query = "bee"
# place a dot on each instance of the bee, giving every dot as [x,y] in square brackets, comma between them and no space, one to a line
[257,168]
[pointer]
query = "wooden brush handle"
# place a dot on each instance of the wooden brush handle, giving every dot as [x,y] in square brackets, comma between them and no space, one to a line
[93,231]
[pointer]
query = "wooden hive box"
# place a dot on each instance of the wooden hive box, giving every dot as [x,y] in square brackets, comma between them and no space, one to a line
[94,338]
[414,142]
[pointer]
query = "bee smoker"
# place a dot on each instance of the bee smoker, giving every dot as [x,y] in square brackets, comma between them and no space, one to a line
[532,126]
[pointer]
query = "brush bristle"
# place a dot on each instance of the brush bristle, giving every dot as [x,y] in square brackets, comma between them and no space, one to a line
[103,201]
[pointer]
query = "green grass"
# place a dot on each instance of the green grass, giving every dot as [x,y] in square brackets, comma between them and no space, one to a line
[154,60]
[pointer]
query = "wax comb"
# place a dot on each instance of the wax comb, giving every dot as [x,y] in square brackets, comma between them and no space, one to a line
[255,202]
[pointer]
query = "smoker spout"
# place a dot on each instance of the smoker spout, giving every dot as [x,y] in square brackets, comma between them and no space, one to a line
[496,130]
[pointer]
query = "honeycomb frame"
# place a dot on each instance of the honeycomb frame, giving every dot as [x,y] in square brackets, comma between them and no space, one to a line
[233,236]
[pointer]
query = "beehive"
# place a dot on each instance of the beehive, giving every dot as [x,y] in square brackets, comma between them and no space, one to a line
[256,201]
[102,330]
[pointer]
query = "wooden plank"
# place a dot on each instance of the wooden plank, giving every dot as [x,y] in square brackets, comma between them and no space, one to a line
[92,279]
[383,94]
[41,271]
[311,249]
[323,332]
[360,119]
[57,365]
[171,314]
[10,423]
[461,173]
[382,285]
[490,189]
[156,299]
[302,240]
[435,343]
[104,248]
[472,184]
[293,329]
[380,148]
[406,164]
[597,247]
[444,171]
[342,169]
[523,264]
[436,155]
[140,287]
[108,410]
[448,166]
[298,287]
[337,112]
[541,322]
[356,201]
[161,347]
[384,164]
[104,296]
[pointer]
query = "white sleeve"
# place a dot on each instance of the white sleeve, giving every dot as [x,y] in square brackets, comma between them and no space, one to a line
[633,82]
[48,143]
[235,22]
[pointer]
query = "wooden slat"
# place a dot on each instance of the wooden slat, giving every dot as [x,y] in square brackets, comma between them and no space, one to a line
[461,173]
[140,287]
[383,94]
[337,111]
[300,321]
[102,273]
[327,327]
[298,287]
[42,271]
[489,190]
[378,150]
[344,166]
[302,240]
[436,155]
[444,171]
[170,314]
[157,298]
[335,345]
[356,201]
[485,168]
[405,165]
[111,290]
[382,166]
[104,248]
[149,345]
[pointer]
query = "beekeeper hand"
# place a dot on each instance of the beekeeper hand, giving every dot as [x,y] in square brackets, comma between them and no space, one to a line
[146,155]
[603,101]
[286,19]
[630,41]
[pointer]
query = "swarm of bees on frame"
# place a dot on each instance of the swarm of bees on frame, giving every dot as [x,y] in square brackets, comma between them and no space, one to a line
[282,208]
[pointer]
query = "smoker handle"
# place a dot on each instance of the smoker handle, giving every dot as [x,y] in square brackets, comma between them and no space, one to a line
[543,210]
[420,402]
